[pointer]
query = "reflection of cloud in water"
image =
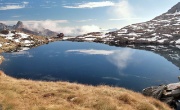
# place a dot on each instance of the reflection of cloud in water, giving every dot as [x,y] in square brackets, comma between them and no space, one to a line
[49,78]
[120,58]
[22,53]
[92,51]
[110,78]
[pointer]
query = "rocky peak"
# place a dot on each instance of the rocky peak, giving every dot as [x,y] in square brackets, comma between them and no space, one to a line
[19,25]
[3,26]
[175,8]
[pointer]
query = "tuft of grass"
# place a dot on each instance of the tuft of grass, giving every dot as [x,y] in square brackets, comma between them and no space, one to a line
[21,94]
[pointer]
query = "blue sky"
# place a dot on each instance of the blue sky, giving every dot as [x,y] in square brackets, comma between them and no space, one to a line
[78,17]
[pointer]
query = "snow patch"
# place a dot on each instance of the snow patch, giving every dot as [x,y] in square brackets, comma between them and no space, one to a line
[178,41]
[162,40]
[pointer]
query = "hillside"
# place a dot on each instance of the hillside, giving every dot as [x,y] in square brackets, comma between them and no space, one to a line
[162,30]
[20,94]
[17,40]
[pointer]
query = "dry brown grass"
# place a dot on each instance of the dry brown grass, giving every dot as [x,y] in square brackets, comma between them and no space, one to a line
[20,94]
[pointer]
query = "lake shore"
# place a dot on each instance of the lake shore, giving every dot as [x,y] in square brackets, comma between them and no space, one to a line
[24,94]
[21,94]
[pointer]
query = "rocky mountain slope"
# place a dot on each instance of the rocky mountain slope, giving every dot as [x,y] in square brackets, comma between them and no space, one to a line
[21,27]
[162,30]
[17,40]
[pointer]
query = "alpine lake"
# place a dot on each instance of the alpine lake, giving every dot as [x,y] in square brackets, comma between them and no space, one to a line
[94,64]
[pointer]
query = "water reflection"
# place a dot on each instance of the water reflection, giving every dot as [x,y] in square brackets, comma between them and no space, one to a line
[22,53]
[171,53]
[92,63]
[92,51]
[121,58]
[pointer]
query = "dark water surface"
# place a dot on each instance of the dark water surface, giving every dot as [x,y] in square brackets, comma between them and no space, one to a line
[91,63]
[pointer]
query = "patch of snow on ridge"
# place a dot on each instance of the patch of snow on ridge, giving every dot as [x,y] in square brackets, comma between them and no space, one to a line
[17,40]
[178,46]
[167,35]
[90,39]
[178,41]
[27,42]
[23,35]
[162,40]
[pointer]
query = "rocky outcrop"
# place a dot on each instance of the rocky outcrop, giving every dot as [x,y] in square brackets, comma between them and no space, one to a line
[17,41]
[19,25]
[3,26]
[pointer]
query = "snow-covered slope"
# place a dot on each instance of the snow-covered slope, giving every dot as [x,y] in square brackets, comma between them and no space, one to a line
[164,29]
[13,41]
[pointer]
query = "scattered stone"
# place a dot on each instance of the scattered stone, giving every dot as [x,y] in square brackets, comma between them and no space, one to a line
[48,95]
[167,93]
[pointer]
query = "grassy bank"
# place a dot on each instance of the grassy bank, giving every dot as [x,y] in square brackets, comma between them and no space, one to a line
[20,94]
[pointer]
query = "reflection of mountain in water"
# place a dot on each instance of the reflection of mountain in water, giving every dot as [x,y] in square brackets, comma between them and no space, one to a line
[171,53]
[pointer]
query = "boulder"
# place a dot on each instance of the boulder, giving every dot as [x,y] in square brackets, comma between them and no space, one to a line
[60,35]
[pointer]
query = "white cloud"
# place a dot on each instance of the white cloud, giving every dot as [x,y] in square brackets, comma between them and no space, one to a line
[16,16]
[121,58]
[92,51]
[12,7]
[25,3]
[122,19]
[86,20]
[56,25]
[92,5]
[122,10]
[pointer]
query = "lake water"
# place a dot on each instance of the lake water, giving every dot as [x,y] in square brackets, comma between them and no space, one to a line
[91,63]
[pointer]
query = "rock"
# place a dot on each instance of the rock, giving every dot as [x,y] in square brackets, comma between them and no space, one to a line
[3,27]
[4,32]
[61,35]
[155,91]
[19,25]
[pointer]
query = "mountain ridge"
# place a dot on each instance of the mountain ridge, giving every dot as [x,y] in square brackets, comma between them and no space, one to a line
[21,27]
[175,8]
[162,30]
